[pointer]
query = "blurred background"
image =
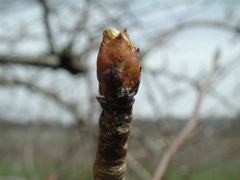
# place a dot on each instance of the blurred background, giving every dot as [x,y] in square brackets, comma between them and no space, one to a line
[48,86]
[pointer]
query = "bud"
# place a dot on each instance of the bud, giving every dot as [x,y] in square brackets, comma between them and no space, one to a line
[118,67]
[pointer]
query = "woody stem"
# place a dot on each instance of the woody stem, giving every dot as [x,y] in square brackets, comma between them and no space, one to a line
[110,162]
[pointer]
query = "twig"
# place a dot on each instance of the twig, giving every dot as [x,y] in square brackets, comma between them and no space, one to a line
[47,25]
[139,170]
[165,35]
[190,126]
[69,106]
[43,61]
[48,61]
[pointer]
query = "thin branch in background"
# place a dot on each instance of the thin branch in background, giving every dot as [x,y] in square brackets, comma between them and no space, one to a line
[69,106]
[230,105]
[47,25]
[150,96]
[65,61]
[189,127]
[165,35]
[44,61]
[139,170]
[227,68]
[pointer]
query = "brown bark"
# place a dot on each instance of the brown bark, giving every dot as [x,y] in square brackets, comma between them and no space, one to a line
[114,126]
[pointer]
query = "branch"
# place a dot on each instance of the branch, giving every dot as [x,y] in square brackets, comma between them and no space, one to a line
[190,126]
[49,35]
[42,61]
[226,102]
[71,64]
[71,107]
[162,37]
[139,170]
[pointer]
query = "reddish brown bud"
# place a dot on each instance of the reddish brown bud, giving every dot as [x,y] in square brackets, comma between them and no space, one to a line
[118,66]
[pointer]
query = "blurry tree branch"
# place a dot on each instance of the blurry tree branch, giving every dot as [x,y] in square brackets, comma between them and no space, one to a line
[223,72]
[49,36]
[224,100]
[226,69]
[69,106]
[65,61]
[165,35]
[189,127]
[139,170]
[45,61]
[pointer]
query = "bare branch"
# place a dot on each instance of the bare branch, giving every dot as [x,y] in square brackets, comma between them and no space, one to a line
[138,168]
[48,26]
[44,61]
[65,61]
[224,100]
[69,106]
[163,36]
[190,126]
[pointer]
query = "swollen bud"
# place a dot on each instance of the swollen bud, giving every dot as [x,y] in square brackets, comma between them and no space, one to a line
[118,67]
